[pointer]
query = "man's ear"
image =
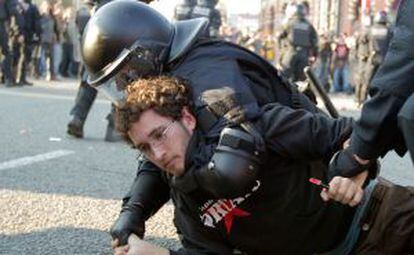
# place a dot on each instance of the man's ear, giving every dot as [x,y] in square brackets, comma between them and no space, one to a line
[188,119]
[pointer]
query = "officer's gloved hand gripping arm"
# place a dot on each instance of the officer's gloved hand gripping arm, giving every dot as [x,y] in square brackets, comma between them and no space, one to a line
[147,195]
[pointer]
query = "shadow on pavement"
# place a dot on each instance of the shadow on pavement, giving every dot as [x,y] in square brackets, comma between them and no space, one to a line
[68,241]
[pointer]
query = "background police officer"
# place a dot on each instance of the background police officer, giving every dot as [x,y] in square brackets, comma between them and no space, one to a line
[9,20]
[372,47]
[23,39]
[362,53]
[184,9]
[206,9]
[301,46]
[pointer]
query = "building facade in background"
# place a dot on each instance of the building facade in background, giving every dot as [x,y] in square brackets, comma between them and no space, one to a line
[335,16]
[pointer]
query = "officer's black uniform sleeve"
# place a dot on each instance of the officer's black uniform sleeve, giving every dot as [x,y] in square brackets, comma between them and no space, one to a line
[299,134]
[149,188]
[377,131]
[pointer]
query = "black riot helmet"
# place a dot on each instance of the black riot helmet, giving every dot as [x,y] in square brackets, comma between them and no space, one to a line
[125,40]
[300,11]
[122,30]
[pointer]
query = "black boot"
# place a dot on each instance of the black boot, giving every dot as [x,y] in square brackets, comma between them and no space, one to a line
[75,128]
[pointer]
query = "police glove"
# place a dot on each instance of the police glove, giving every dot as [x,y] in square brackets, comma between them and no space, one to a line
[130,220]
[344,163]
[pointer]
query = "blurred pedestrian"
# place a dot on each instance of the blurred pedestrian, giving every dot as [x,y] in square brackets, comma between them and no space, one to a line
[340,66]
[302,45]
[10,20]
[322,65]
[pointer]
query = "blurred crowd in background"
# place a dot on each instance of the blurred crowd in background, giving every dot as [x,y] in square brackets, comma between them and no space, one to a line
[42,41]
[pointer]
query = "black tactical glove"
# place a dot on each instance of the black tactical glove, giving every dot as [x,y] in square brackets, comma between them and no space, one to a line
[130,220]
[343,163]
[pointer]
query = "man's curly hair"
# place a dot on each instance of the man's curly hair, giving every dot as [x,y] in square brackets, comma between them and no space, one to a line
[166,95]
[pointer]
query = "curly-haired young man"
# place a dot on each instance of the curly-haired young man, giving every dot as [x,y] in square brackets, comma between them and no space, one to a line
[282,212]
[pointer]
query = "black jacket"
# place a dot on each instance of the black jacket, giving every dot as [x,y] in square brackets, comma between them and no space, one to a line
[215,64]
[283,213]
[377,132]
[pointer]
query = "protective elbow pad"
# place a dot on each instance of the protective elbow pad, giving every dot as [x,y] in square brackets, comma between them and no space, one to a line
[234,167]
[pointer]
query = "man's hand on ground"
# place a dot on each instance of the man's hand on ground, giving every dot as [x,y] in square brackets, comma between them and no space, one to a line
[347,191]
[137,246]
[119,250]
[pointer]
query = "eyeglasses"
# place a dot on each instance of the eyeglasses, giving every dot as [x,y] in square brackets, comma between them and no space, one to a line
[158,138]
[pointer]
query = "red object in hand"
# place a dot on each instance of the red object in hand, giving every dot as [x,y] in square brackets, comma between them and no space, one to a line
[318,182]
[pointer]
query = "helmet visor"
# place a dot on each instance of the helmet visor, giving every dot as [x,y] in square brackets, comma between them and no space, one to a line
[132,64]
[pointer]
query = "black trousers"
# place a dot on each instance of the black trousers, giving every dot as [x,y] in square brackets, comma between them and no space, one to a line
[6,67]
[84,100]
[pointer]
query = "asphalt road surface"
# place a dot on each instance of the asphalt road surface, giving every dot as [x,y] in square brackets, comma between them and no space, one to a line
[60,195]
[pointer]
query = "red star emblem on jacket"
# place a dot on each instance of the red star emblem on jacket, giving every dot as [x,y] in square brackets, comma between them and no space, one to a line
[228,219]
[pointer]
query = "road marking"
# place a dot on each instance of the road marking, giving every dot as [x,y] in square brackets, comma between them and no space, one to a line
[33,159]
[43,95]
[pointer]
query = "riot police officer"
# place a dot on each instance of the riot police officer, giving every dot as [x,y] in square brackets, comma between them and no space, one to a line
[114,57]
[206,9]
[302,45]
[184,9]
[9,19]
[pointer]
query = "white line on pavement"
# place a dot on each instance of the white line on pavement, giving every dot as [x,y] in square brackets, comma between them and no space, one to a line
[33,159]
[43,95]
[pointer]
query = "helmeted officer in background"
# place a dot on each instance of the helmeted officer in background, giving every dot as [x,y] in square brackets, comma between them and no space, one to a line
[10,20]
[125,49]
[362,52]
[302,45]
[23,41]
[206,9]
[86,94]
[372,45]
[184,9]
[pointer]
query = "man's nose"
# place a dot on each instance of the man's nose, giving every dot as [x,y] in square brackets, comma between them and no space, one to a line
[158,152]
